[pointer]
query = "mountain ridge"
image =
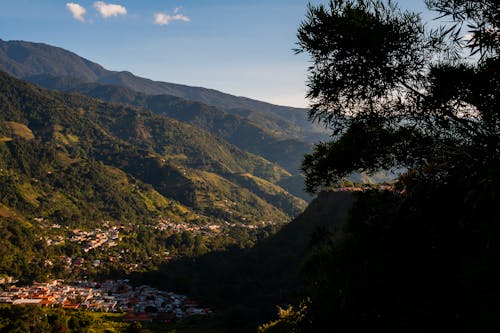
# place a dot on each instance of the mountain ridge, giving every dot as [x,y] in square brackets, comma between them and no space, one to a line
[149,147]
[23,59]
[236,129]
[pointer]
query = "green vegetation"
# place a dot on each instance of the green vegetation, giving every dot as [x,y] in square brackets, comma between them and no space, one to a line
[243,286]
[20,130]
[423,253]
[250,135]
[27,318]
[32,318]
[427,102]
[280,134]
[271,193]
[143,145]
[75,162]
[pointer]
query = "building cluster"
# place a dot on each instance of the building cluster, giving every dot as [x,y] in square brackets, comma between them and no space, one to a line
[364,187]
[107,236]
[167,225]
[209,228]
[96,238]
[143,303]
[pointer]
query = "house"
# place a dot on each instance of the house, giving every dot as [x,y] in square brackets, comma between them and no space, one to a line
[5,299]
[48,302]
[78,261]
[32,301]
[69,305]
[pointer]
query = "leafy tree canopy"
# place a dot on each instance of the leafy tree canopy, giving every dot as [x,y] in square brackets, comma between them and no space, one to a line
[398,94]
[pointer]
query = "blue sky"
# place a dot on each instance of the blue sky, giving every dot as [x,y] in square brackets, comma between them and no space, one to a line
[239,47]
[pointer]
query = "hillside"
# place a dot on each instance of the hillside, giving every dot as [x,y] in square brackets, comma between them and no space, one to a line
[238,130]
[246,285]
[124,137]
[75,161]
[24,59]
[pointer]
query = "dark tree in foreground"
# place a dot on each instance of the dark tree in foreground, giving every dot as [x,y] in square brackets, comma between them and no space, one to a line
[398,96]
[427,102]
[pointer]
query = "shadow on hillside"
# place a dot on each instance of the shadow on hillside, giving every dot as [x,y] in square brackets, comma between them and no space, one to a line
[246,285]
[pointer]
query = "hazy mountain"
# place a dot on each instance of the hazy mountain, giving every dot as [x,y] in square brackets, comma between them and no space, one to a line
[52,143]
[238,130]
[24,59]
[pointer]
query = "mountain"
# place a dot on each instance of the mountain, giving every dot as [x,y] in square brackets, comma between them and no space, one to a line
[238,130]
[46,135]
[24,59]
[70,162]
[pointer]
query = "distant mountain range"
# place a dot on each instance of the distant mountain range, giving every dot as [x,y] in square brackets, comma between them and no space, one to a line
[25,59]
[72,158]
[73,162]
[280,134]
[236,129]
[80,145]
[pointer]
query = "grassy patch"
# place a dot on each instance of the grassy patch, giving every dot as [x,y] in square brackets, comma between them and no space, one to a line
[72,138]
[20,130]
[154,201]
[104,322]
[66,160]
[29,194]
[5,211]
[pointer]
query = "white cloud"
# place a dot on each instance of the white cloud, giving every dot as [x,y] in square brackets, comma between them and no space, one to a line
[165,19]
[77,11]
[109,9]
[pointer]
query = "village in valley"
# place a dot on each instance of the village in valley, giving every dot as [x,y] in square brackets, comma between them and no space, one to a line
[100,241]
[95,248]
[142,303]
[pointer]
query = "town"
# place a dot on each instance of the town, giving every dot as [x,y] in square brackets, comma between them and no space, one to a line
[142,303]
[108,235]
[83,253]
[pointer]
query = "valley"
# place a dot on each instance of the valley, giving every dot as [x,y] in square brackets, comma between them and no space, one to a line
[104,182]
[129,204]
[120,186]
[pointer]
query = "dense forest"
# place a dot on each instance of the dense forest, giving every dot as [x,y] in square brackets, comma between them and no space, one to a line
[264,137]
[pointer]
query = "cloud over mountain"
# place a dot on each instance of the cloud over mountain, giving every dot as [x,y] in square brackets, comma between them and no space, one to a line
[165,19]
[77,11]
[109,10]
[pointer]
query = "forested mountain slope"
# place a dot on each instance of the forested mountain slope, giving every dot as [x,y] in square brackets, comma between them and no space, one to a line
[24,59]
[246,285]
[242,132]
[70,162]
[42,131]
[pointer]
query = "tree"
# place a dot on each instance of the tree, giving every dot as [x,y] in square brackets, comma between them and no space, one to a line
[397,95]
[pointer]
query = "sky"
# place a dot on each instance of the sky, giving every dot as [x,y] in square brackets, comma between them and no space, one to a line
[244,48]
